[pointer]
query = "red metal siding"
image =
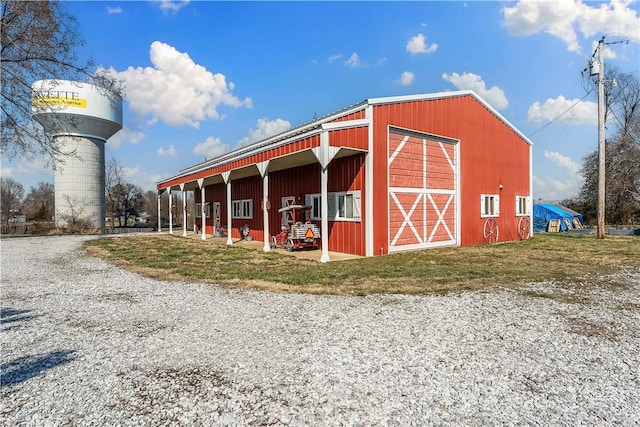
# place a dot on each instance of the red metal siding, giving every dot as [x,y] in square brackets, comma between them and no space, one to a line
[345,174]
[300,145]
[357,115]
[490,154]
[357,138]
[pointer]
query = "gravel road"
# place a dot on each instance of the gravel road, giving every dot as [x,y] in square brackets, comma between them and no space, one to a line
[85,343]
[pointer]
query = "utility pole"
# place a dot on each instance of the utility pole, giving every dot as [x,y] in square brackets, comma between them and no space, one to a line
[601,141]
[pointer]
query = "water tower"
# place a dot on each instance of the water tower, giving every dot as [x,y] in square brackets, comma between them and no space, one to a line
[81,117]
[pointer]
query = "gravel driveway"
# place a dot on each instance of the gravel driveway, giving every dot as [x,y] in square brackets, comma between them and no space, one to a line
[85,343]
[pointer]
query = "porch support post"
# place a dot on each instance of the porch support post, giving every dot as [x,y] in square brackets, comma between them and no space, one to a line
[226,176]
[184,211]
[203,218]
[170,212]
[368,187]
[324,153]
[324,207]
[263,168]
[159,213]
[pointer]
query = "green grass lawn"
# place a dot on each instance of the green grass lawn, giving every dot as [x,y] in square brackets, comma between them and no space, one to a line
[557,257]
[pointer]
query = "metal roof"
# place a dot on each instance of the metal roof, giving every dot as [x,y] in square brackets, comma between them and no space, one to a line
[313,127]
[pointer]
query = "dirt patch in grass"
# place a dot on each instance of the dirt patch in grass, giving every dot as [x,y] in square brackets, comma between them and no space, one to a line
[546,257]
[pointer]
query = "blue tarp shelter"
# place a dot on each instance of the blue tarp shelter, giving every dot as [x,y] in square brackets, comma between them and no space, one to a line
[544,212]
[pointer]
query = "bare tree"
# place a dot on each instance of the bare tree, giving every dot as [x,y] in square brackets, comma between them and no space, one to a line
[123,199]
[114,176]
[150,207]
[622,199]
[38,41]
[39,204]
[11,194]
[128,201]
[73,217]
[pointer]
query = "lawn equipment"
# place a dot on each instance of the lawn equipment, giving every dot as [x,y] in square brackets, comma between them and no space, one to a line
[297,232]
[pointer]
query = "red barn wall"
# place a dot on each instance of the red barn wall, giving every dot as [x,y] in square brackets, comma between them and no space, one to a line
[490,152]
[345,174]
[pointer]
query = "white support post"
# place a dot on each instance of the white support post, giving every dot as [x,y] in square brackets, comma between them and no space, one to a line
[226,176]
[203,218]
[324,153]
[170,212]
[184,211]
[159,214]
[324,206]
[368,187]
[263,168]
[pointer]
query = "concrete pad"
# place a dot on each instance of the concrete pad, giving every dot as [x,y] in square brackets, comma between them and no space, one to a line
[259,245]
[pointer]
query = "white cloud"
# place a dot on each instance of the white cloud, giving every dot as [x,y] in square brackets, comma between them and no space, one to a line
[563,19]
[553,188]
[567,111]
[494,96]
[126,134]
[264,129]
[114,10]
[176,90]
[417,45]
[406,78]
[172,6]
[335,57]
[144,180]
[28,171]
[353,61]
[210,148]
[608,52]
[171,151]
[563,161]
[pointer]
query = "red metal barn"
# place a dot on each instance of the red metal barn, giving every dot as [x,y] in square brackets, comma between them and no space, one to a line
[385,175]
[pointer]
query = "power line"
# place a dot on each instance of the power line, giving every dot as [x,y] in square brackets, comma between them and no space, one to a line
[561,114]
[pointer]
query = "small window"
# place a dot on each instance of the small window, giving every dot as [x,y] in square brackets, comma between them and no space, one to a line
[242,209]
[315,200]
[341,206]
[346,206]
[489,205]
[207,209]
[523,205]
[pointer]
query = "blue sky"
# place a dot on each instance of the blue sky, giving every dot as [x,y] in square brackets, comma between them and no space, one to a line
[203,78]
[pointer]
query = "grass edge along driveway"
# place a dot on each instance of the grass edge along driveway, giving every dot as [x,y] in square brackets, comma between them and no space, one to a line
[545,257]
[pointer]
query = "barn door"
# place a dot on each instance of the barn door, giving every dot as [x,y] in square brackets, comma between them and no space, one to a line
[287,216]
[422,191]
[216,216]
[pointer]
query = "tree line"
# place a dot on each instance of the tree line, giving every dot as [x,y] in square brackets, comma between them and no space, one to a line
[622,166]
[126,205]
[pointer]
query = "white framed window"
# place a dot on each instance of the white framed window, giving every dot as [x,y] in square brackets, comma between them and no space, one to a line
[207,210]
[342,206]
[242,209]
[523,205]
[348,206]
[489,205]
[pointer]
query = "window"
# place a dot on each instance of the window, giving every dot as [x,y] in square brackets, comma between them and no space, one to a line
[242,209]
[489,205]
[316,207]
[342,206]
[523,205]
[207,210]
